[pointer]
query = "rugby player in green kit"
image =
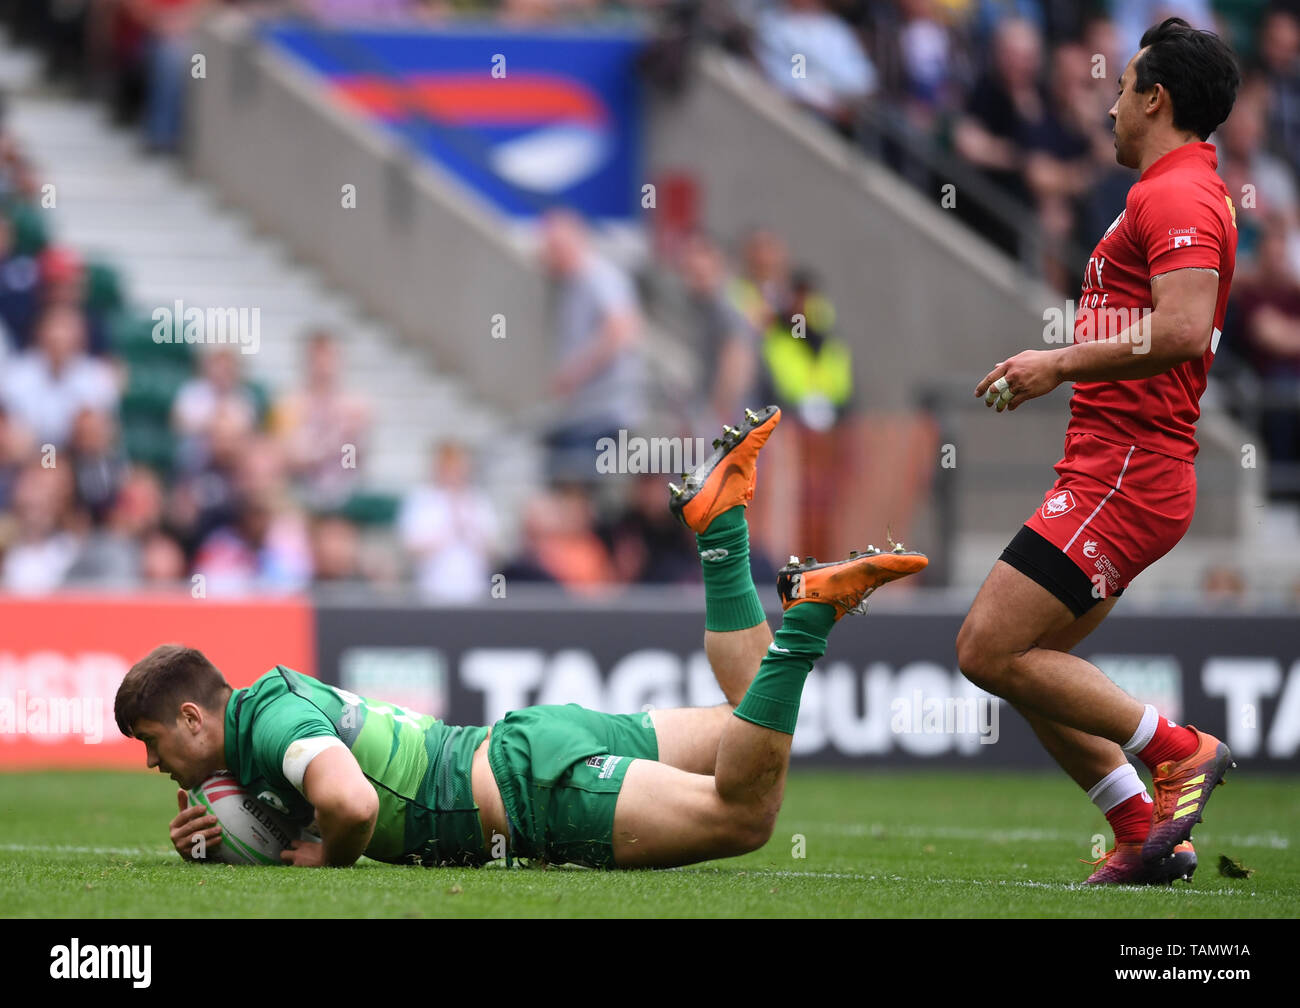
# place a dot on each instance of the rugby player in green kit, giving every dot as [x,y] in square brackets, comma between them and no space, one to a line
[559,784]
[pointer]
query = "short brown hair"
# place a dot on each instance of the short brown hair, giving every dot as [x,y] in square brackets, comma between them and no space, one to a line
[165,678]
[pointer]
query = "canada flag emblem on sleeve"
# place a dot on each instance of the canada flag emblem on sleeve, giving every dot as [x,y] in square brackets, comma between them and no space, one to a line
[1058,504]
[1182,237]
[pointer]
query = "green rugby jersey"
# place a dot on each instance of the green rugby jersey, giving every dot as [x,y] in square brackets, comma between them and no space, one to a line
[419,766]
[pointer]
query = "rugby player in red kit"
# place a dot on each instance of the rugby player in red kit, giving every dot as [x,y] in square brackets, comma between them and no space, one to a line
[1149,318]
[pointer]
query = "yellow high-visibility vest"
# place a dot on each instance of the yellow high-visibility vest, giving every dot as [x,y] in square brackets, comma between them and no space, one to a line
[798,371]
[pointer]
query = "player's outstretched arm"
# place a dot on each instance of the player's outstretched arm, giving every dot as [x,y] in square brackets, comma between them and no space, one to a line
[346,810]
[1178,329]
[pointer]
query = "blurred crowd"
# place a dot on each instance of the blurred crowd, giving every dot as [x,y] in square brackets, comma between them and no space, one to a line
[253,498]
[760,331]
[1020,92]
[258,492]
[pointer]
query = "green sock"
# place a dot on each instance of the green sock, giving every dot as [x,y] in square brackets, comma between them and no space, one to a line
[772,699]
[730,599]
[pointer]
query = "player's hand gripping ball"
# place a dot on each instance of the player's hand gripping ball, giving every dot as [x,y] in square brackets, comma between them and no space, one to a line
[252,832]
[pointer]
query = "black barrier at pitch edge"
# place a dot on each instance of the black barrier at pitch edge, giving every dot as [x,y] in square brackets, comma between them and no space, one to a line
[887,691]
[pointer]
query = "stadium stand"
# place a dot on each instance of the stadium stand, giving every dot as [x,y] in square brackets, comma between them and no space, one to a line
[869,169]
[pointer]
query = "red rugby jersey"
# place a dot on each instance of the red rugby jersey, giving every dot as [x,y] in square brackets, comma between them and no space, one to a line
[1178,214]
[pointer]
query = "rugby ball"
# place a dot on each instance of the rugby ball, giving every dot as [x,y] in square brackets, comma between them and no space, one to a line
[252,832]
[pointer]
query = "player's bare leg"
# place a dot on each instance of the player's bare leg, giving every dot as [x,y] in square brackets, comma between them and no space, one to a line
[667,816]
[689,736]
[1085,758]
[734,657]
[718,785]
[1102,770]
[712,501]
[998,649]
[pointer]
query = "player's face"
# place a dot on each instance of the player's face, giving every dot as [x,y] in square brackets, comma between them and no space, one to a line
[179,749]
[1126,114]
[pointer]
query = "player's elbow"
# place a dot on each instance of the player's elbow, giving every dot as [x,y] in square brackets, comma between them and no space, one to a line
[1182,338]
[351,812]
[361,809]
[1190,343]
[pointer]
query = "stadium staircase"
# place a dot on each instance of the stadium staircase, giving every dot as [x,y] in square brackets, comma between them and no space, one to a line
[159,235]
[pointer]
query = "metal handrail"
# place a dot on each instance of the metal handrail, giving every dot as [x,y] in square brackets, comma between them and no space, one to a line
[924,164]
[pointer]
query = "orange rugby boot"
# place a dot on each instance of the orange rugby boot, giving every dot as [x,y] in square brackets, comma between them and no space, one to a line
[845,584]
[713,487]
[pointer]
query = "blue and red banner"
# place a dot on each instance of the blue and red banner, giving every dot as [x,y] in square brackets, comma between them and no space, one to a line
[527,119]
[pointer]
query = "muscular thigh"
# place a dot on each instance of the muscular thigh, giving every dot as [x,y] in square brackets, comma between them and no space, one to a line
[1068,637]
[688,736]
[1012,613]
[667,817]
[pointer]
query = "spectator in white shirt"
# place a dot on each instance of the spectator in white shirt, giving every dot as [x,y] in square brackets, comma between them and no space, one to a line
[46,387]
[218,389]
[815,58]
[450,528]
[323,427]
[41,548]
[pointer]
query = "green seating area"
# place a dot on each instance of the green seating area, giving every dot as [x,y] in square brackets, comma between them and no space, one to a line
[155,372]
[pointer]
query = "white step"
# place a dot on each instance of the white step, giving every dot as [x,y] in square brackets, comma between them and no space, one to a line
[171,238]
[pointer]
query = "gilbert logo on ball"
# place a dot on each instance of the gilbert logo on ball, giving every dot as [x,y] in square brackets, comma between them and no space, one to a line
[252,832]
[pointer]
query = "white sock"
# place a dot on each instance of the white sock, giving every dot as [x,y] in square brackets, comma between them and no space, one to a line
[1119,785]
[1146,731]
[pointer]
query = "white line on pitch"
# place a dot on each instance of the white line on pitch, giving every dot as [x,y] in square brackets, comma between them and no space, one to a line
[1013,883]
[70,849]
[1273,840]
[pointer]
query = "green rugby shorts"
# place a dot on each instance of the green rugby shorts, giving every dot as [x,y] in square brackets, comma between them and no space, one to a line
[560,770]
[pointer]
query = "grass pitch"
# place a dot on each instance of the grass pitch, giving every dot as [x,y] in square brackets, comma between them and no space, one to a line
[959,844]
